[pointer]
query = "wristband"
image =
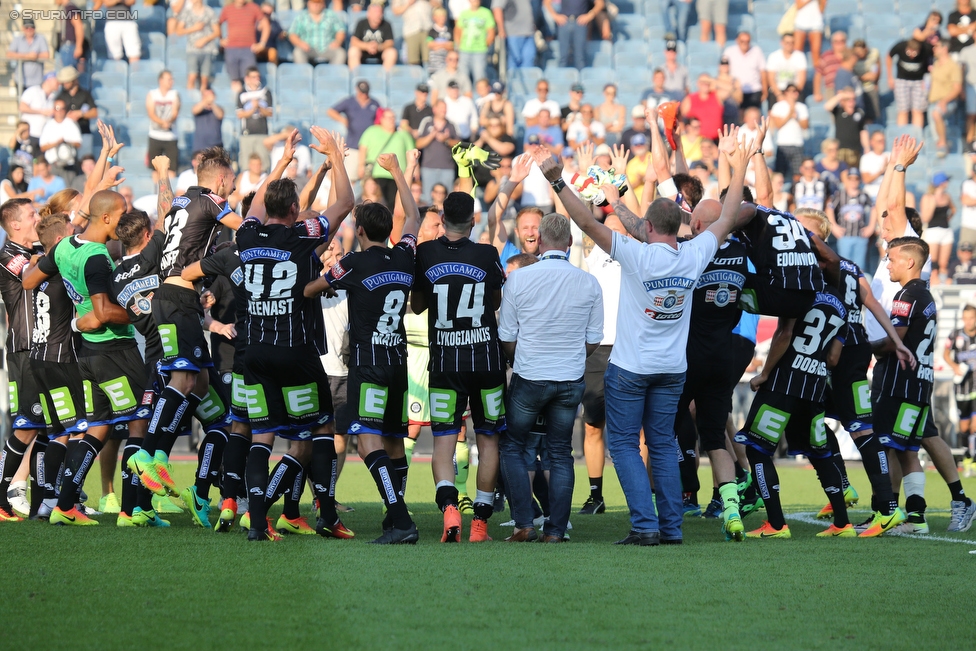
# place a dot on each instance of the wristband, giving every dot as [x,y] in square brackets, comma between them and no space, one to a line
[74,325]
[759,152]
[558,185]
[110,161]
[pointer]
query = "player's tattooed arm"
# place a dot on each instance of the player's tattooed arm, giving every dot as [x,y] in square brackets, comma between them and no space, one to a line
[905,356]
[164,200]
[588,245]
[777,348]
[636,227]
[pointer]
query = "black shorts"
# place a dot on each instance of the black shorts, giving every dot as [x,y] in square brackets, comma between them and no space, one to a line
[119,431]
[900,423]
[709,382]
[343,407]
[238,401]
[213,412]
[449,395]
[965,408]
[179,319]
[63,396]
[168,148]
[115,382]
[848,397]
[759,297]
[26,411]
[930,430]
[377,398]
[775,415]
[743,352]
[594,404]
[286,390]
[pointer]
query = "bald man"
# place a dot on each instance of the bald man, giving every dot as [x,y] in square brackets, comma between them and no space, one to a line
[108,359]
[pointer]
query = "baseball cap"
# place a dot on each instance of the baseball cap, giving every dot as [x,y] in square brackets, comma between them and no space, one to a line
[698,165]
[603,150]
[638,140]
[671,44]
[362,86]
[577,88]
[568,152]
[637,111]
[940,178]
[966,246]
[50,75]
[853,171]
[498,87]
[28,22]
[423,87]
[533,139]
[452,84]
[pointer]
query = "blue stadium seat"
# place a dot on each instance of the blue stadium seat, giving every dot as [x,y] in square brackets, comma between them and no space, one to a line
[629,27]
[152,19]
[594,79]
[112,68]
[133,155]
[640,46]
[741,22]
[141,185]
[155,44]
[98,45]
[111,108]
[297,110]
[190,97]
[286,18]
[567,76]
[399,98]
[331,81]
[102,92]
[178,68]
[292,77]
[417,73]
[323,120]
[400,85]
[352,19]
[144,66]
[704,54]
[523,80]
[602,60]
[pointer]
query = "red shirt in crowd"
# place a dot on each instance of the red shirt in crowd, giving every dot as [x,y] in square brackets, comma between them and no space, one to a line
[708,111]
[241,24]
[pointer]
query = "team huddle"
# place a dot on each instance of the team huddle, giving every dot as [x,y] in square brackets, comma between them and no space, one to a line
[425,345]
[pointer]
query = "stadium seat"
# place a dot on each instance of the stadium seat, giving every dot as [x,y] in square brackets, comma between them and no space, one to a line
[330,79]
[374,74]
[323,120]
[175,48]
[297,110]
[111,108]
[98,45]
[292,77]
[594,79]
[741,22]
[155,44]
[602,60]
[286,18]
[629,27]
[567,76]
[152,19]
[178,68]
[112,68]
[704,54]
[144,66]
[103,93]
[523,80]
[416,73]
[399,98]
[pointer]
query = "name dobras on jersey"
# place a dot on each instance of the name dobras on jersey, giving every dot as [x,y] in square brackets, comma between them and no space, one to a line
[780,248]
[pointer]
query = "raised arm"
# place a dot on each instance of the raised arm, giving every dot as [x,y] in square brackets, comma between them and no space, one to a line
[735,214]
[764,184]
[391,164]
[257,209]
[498,236]
[659,151]
[345,198]
[905,156]
[164,198]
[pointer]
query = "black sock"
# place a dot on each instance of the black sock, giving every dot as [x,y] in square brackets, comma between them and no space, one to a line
[400,467]
[293,499]
[70,448]
[838,459]
[686,433]
[10,459]
[208,461]
[915,504]
[829,475]
[716,494]
[446,496]
[483,511]
[130,480]
[876,466]
[166,442]
[37,472]
[257,484]
[767,481]
[740,474]
[323,471]
[955,488]
[384,476]
[53,460]
[282,479]
[235,461]
[170,408]
[76,467]
[596,489]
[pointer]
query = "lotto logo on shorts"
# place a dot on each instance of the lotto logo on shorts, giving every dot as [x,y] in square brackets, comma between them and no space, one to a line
[493,401]
[818,432]
[372,401]
[443,405]
[770,423]
[14,398]
[64,406]
[119,394]
[167,335]
[301,400]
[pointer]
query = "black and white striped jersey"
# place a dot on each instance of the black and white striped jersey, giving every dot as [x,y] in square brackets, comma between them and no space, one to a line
[17,300]
[134,281]
[850,290]
[460,279]
[802,371]
[52,339]
[192,229]
[228,290]
[377,282]
[914,308]
[779,247]
[277,264]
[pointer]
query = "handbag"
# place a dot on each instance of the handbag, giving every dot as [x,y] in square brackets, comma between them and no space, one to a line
[786,23]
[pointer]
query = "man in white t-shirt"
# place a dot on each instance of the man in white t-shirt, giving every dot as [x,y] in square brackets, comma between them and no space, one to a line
[748,65]
[37,104]
[530,112]
[789,117]
[648,363]
[785,66]
[60,140]
[163,107]
[873,164]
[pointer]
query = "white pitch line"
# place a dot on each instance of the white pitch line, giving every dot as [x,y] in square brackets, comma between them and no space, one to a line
[809,518]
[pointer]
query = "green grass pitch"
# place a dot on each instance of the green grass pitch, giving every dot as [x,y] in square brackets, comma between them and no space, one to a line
[185,588]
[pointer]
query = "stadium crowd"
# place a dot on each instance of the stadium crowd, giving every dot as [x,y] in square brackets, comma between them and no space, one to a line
[635,232]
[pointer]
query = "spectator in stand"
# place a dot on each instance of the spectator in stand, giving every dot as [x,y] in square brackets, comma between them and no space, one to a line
[964,273]
[545,133]
[572,22]
[729,92]
[81,105]
[713,13]
[75,48]
[809,25]
[675,74]
[121,33]
[372,40]
[384,138]
[474,32]
[43,184]
[207,118]
[416,15]
[493,139]
[873,164]
[785,66]
[849,126]
[414,113]
[691,139]
[86,167]
[967,232]
[789,117]
[967,59]
[275,144]
[748,64]
[936,210]
[30,49]
[944,91]
[254,106]
[961,25]
[704,105]
[678,25]
[163,107]
[867,68]
[188,178]
[461,111]
[852,219]
[516,27]
[450,72]
[585,129]
[269,53]
[436,137]
[24,147]
[357,113]
[530,112]
[570,112]
[37,103]
[748,132]
[612,114]
[440,41]
[318,35]
[845,77]
[638,126]
[931,31]
[199,23]
[637,166]
[908,80]
[60,141]
[830,167]
[809,190]
[497,105]
[243,17]
[826,71]
[249,180]
[656,94]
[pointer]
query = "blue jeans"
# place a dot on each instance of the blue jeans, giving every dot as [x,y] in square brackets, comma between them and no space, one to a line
[521,51]
[572,39]
[559,401]
[854,249]
[67,55]
[648,401]
[678,27]
[474,65]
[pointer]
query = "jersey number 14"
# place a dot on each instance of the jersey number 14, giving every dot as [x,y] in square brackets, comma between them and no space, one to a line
[471,305]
